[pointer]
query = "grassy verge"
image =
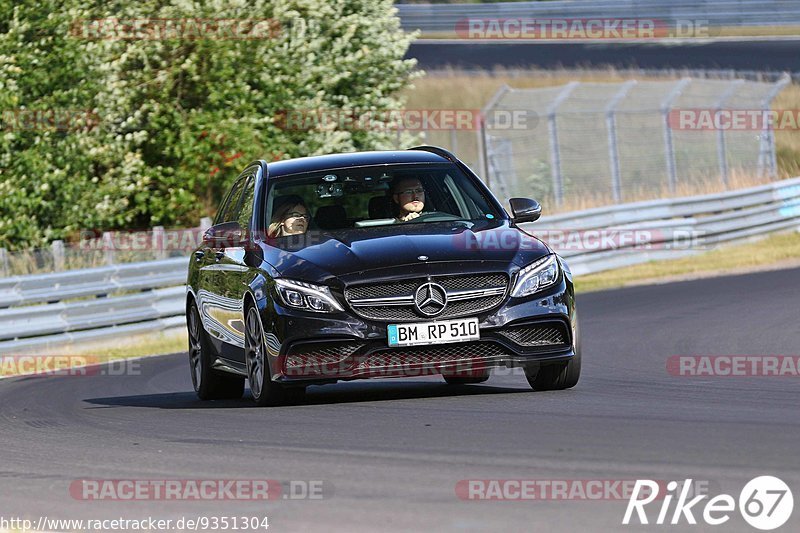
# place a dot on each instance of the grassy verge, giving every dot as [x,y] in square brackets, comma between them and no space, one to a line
[92,353]
[776,251]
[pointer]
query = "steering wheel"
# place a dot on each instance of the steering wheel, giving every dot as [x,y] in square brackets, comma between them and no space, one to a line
[437,216]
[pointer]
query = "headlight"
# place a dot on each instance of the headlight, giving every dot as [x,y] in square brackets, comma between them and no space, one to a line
[536,276]
[302,295]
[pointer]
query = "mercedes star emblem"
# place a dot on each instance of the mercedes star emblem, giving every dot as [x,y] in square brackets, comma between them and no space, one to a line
[430,299]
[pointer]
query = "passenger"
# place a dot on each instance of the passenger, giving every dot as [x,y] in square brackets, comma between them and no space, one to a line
[408,195]
[289,217]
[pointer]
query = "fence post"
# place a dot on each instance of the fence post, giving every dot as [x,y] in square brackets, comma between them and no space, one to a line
[722,152]
[669,145]
[767,144]
[158,244]
[555,153]
[4,267]
[613,149]
[483,149]
[57,248]
[108,247]
[453,141]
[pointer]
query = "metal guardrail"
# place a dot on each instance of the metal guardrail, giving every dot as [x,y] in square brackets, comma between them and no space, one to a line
[675,228]
[145,297]
[442,18]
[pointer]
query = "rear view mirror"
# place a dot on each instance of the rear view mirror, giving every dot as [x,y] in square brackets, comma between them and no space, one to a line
[525,209]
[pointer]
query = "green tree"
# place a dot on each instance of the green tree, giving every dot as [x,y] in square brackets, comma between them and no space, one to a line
[170,121]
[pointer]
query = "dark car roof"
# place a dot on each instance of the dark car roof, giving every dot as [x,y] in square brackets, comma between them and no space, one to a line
[351,159]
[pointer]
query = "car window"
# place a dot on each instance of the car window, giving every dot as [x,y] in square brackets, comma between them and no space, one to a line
[246,207]
[363,197]
[230,207]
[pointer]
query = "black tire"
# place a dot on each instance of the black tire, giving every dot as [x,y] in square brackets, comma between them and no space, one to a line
[209,384]
[265,392]
[558,376]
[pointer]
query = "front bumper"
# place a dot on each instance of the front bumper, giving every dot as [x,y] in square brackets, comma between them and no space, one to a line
[314,348]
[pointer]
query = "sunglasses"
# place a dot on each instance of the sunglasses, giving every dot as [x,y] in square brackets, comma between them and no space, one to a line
[295,214]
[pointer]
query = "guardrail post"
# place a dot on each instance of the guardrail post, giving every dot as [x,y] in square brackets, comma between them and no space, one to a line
[108,247]
[57,248]
[722,152]
[669,145]
[555,151]
[613,149]
[157,242]
[4,267]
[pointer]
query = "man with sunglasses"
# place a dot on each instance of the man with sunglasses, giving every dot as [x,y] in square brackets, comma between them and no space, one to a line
[409,196]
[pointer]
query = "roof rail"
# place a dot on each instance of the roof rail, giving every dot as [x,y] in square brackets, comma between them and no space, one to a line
[436,150]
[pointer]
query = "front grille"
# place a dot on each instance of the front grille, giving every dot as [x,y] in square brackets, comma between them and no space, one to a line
[383,290]
[537,336]
[407,311]
[428,355]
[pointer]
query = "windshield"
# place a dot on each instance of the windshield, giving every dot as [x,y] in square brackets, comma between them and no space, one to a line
[369,197]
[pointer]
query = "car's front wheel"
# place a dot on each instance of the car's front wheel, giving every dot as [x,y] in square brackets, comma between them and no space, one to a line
[265,392]
[208,383]
[558,376]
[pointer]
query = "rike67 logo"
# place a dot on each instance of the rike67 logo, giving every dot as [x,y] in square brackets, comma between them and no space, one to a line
[765,503]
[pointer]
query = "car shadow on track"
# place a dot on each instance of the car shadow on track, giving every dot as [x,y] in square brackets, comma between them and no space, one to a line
[316,395]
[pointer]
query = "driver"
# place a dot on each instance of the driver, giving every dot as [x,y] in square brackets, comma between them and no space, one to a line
[409,197]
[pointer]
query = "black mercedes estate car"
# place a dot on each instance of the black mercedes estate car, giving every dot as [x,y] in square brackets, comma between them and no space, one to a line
[373,264]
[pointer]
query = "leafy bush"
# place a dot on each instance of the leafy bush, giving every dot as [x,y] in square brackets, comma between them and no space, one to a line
[158,128]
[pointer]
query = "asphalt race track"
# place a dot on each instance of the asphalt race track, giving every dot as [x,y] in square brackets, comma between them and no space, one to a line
[390,452]
[746,55]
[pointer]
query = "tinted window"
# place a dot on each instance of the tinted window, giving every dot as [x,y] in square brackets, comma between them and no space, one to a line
[366,197]
[246,209]
[230,207]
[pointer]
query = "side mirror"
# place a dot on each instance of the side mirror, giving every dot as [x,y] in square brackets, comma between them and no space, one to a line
[525,209]
[225,235]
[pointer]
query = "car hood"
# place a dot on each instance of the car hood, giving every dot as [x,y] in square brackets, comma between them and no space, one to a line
[410,247]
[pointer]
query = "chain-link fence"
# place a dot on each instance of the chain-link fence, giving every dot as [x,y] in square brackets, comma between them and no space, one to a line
[588,144]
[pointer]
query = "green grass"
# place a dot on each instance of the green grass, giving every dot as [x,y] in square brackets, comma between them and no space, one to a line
[774,251]
[102,351]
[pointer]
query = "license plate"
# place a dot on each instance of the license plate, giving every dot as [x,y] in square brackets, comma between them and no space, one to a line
[463,329]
